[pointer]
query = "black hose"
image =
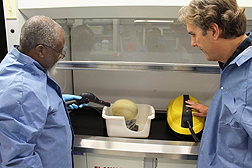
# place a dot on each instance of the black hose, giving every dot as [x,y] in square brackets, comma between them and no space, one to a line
[196,139]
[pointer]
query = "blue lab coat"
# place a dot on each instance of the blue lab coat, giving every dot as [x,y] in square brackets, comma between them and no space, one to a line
[35,129]
[227,136]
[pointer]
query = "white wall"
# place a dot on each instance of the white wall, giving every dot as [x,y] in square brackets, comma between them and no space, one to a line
[57,3]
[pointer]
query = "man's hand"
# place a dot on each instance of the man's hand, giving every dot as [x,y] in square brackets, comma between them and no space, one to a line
[202,109]
[67,97]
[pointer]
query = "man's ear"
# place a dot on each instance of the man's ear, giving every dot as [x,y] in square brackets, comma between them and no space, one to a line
[215,31]
[40,51]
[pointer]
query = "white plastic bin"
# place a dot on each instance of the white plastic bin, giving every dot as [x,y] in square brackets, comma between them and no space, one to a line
[116,125]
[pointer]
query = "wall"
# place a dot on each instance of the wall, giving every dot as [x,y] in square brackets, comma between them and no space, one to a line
[3,42]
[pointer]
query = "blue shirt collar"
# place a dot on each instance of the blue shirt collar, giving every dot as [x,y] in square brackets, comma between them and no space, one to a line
[243,57]
[25,58]
[240,49]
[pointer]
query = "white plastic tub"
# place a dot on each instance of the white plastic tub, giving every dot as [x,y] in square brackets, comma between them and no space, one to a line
[116,124]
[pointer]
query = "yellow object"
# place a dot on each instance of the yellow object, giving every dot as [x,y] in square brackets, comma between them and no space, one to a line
[174,116]
[10,9]
[126,108]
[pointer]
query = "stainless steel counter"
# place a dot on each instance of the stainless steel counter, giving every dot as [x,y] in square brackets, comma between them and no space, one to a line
[136,147]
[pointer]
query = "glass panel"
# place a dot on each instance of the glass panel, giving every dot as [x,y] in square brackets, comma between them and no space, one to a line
[134,40]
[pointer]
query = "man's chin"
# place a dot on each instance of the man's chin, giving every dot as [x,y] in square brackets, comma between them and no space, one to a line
[209,58]
[53,70]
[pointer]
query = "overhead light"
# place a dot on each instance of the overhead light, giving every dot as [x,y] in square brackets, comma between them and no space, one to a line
[153,21]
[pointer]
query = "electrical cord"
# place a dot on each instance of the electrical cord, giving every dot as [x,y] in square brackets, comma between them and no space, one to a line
[196,139]
[87,107]
[92,108]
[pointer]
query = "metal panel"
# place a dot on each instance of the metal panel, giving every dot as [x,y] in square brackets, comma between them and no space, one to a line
[109,9]
[139,66]
[137,147]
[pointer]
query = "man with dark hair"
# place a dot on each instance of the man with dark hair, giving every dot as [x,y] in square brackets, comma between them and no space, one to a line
[217,28]
[83,38]
[154,41]
[35,129]
[156,47]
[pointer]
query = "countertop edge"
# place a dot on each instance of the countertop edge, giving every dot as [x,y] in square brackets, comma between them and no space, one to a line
[147,148]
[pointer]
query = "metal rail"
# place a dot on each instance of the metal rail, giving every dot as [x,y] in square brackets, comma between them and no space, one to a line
[140,66]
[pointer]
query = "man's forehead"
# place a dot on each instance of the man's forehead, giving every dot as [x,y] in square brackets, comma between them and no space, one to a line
[191,28]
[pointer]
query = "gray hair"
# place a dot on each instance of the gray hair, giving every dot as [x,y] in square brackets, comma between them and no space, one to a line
[39,30]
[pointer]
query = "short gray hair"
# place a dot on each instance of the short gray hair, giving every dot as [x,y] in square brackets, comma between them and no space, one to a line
[39,30]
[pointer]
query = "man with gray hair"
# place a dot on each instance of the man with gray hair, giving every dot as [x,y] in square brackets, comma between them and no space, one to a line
[217,28]
[35,130]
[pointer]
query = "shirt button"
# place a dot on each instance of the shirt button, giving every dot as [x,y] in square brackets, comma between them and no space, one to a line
[222,88]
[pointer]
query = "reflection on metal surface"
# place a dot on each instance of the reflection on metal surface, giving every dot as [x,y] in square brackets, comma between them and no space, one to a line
[153,21]
[144,66]
[137,147]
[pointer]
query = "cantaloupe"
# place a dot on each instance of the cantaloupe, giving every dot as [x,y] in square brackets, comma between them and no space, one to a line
[126,108]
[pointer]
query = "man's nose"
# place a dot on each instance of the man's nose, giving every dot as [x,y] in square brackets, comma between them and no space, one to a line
[193,43]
